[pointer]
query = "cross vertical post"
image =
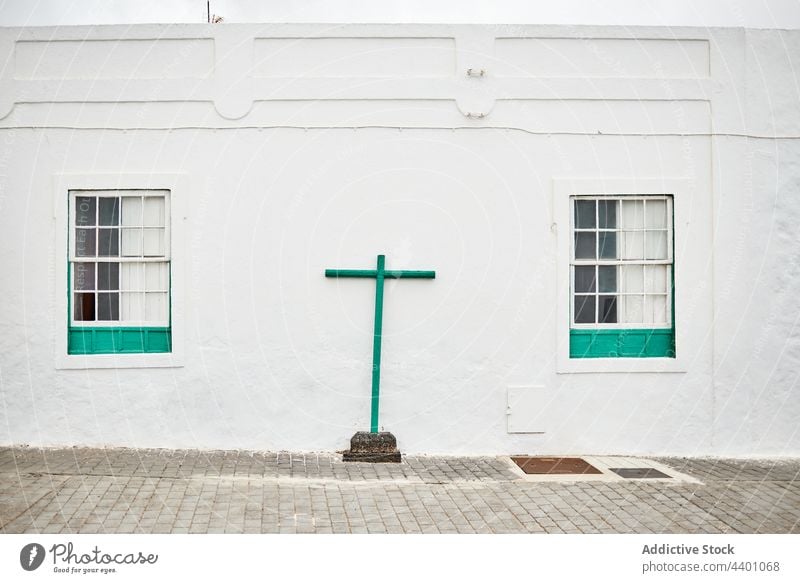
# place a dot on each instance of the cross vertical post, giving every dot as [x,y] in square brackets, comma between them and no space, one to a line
[376,344]
[380,274]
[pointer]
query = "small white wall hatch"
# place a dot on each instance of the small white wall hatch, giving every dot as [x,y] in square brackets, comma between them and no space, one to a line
[525,409]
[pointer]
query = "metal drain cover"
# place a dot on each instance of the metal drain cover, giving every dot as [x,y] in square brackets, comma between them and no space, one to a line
[639,473]
[554,465]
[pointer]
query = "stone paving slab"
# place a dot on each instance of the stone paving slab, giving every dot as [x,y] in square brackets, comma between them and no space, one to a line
[81,490]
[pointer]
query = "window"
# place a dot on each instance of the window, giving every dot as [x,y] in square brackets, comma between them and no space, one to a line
[621,277]
[119,272]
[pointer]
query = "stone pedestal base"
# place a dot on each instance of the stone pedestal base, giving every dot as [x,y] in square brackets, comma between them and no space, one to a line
[372,447]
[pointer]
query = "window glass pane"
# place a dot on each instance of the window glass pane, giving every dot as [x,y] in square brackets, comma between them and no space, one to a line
[630,309]
[131,242]
[108,276]
[584,309]
[607,214]
[85,242]
[656,279]
[608,309]
[585,246]
[656,244]
[584,214]
[632,214]
[132,307]
[632,245]
[155,307]
[584,278]
[631,278]
[132,277]
[608,245]
[132,211]
[109,211]
[83,276]
[157,276]
[154,211]
[85,211]
[655,309]
[154,243]
[83,307]
[607,278]
[656,211]
[108,243]
[107,307]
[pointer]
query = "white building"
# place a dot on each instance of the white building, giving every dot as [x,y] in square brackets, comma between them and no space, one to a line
[611,214]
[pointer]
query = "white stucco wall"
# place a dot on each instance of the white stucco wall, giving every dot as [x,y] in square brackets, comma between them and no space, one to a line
[302,147]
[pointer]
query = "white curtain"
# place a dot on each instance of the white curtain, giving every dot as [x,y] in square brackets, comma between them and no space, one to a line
[144,286]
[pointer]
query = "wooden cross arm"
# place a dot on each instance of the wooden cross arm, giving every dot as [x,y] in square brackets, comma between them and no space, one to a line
[404,274]
[409,274]
[351,273]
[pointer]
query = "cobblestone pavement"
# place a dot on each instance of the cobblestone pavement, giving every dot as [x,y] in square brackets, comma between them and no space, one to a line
[161,491]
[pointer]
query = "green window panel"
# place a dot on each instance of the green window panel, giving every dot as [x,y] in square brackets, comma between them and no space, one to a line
[633,343]
[107,340]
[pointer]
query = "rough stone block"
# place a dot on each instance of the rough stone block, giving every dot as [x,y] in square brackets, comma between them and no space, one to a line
[373,448]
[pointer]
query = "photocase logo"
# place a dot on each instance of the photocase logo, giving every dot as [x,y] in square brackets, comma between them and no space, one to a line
[31,556]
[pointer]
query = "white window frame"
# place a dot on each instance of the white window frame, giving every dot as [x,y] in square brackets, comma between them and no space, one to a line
[177,185]
[669,261]
[73,257]
[564,189]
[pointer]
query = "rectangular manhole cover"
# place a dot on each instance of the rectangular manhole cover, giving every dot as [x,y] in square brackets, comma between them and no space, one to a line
[637,473]
[554,465]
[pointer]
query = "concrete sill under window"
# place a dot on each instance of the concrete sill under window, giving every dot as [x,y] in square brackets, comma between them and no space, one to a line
[119,361]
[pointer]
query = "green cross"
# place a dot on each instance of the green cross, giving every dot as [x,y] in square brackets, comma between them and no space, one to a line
[379,274]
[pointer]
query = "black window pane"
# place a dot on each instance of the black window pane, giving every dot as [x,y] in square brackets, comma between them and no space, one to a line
[109,211]
[86,242]
[108,243]
[607,278]
[608,245]
[84,276]
[108,306]
[585,246]
[85,211]
[608,309]
[584,309]
[83,308]
[607,214]
[108,276]
[584,214]
[584,278]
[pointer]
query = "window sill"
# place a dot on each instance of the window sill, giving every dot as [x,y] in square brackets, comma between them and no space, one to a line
[143,360]
[620,365]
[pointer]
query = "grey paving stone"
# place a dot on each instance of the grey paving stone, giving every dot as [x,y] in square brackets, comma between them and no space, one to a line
[77,490]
